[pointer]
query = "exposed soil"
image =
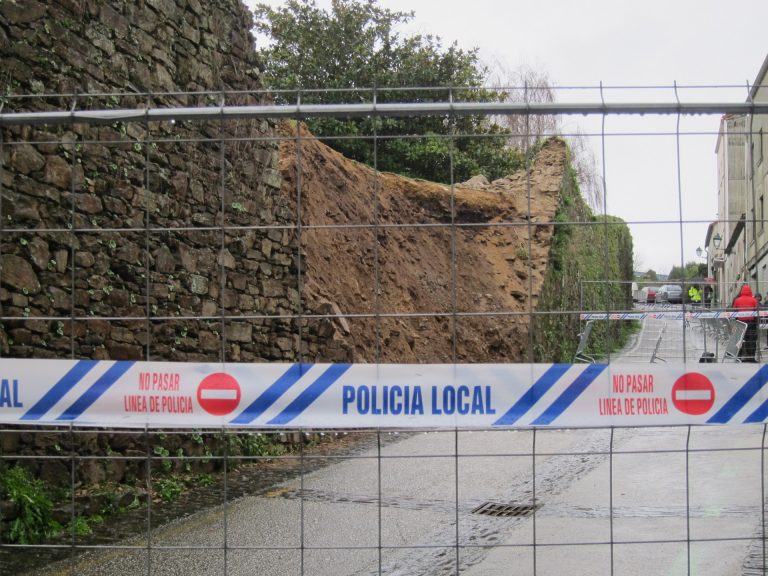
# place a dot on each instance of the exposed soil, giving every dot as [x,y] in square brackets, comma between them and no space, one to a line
[379,253]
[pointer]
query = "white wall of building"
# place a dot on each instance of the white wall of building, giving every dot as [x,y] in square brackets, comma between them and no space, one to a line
[742,160]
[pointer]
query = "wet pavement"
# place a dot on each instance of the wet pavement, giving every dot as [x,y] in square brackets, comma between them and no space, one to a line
[667,339]
[246,476]
[630,501]
[627,501]
[651,509]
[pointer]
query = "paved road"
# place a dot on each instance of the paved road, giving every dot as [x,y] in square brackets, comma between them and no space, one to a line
[405,512]
[668,340]
[627,501]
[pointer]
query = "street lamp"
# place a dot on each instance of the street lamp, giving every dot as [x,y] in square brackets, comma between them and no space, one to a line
[698,252]
[717,239]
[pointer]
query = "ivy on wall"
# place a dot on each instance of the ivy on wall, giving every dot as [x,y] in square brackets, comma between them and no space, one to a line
[590,269]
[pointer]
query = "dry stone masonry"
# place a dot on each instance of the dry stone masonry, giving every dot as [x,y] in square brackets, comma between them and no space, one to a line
[125,240]
[162,240]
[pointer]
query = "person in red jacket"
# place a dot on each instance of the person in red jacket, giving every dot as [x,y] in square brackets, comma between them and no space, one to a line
[746,301]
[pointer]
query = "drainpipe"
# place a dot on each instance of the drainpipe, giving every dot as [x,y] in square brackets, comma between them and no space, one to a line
[751,176]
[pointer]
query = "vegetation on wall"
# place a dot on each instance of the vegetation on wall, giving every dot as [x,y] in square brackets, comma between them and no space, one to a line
[590,269]
[33,510]
[33,521]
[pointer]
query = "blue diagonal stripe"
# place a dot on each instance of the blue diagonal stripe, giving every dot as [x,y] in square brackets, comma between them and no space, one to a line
[532,395]
[311,394]
[98,388]
[570,394]
[60,389]
[271,394]
[740,399]
[758,415]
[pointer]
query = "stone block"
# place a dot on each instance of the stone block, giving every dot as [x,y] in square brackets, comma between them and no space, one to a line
[18,273]
[121,351]
[239,332]
[22,12]
[26,159]
[164,260]
[88,203]
[113,20]
[198,284]
[226,259]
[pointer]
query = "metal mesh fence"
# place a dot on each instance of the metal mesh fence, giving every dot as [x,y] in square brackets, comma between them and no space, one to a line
[605,501]
[197,228]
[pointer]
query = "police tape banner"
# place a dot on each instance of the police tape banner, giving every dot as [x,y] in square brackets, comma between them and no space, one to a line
[188,395]
[673,315]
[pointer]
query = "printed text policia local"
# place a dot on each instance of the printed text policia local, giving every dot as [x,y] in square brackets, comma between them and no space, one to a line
[412,400]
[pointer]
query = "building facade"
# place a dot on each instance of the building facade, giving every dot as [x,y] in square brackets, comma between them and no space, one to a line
[737,242]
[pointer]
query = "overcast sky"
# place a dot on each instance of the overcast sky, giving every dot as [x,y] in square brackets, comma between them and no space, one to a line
[653,43]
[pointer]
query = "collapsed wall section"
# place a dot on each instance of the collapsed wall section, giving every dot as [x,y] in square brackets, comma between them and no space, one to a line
[415,271]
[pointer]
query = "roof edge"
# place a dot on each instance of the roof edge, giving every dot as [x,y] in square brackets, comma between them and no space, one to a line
[760,75]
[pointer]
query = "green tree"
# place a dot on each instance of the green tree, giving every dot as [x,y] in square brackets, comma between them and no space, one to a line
[651,275]
[342,55]
[691,270]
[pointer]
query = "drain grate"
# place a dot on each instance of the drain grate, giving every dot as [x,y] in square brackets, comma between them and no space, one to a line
[506,510]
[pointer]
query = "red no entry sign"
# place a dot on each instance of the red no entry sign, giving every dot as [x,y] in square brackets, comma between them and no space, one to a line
[218,394]
[693,394]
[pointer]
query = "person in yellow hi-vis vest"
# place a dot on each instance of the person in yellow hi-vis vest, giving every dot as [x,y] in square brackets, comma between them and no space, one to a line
[694,294]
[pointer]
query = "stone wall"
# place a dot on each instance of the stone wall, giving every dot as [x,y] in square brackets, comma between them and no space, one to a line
[134,240]
[112,237]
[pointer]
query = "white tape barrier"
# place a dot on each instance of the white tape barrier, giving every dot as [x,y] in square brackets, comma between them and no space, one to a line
[672,315]
[185,395]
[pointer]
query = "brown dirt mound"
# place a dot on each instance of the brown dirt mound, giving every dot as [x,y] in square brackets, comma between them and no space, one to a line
[379,252]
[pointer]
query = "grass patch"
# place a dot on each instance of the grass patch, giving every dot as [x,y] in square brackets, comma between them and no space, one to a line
[34,523]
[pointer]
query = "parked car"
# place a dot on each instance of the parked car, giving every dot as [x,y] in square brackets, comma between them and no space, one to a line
[650,294]
[671,293]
